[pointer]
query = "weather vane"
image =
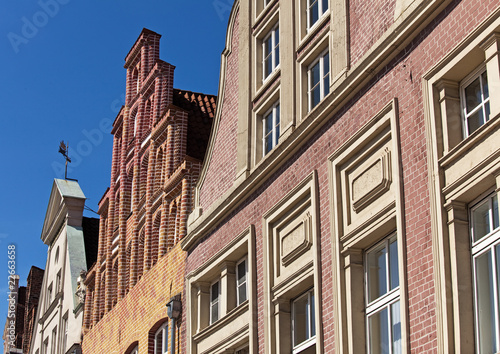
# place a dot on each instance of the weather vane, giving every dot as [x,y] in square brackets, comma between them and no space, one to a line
[63,149]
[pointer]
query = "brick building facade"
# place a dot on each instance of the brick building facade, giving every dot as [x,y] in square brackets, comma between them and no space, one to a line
[33,289]
[348,201]
[160,137]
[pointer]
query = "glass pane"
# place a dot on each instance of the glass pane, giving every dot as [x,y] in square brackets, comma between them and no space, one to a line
[313,13]
[484,79]
[481,220]
[268,65]
[325,6]
[314,75]
[377,273]
[215,291]
[326,64]
[313,316]
[379,332]
[484,303]
[214,312]
[393,264]
[165,340]
[473,95]
[158,342]
[487,110]
[268,123]
[474,121]
[277,128]
[326,84]
[495,212]
[242,274]
[300,323]
[276,56]
[242,293]
[396,328]
[268,144]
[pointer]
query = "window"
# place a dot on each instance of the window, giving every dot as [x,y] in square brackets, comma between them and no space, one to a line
[58,282]
[65,334]
[161,339]
[53,343]
[271,131]
[475,101]
[303,322]
[271,52]
[315,9]
[382,298]
[48,298]
[241,281]
[318,78]
[135,350]
[45,346]
[214,301]
[484,225]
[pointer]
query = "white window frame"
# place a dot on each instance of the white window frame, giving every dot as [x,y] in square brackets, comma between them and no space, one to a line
[386,300]
[135,350]
[53,344]
[164,343]
[215,302]
[64,334]
[321,12]
[274,53]
[485,102]
[275,113]
[311,317]
[244,283]
[323,90]
[486,243]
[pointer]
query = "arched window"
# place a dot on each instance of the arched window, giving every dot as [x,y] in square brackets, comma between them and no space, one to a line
[161,340]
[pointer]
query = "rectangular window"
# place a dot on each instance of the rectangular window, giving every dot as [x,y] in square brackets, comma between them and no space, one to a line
[271,52]
[48,298]
[484,223]
[303,322]
[315,9]
[58,282]
[53,343]
[382,298]
[45,346]
[241,281]
[318,77]
[271,128]
[475,101]
[64,334]
[161,340]
[214,301]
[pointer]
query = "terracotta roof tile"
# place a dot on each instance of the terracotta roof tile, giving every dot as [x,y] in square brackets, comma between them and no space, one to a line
[201,111]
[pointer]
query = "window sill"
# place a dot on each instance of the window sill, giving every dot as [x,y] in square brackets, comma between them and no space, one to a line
[311,35]
[469,142]
[222,322]
[267,84]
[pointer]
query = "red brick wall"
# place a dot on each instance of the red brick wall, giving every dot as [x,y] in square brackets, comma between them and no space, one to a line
[402,78]
[221,170]
[368,21]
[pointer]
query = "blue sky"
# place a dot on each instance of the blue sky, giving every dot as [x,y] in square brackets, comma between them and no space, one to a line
[62,78]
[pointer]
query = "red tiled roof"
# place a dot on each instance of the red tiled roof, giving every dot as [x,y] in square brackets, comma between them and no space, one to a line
[201,111]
